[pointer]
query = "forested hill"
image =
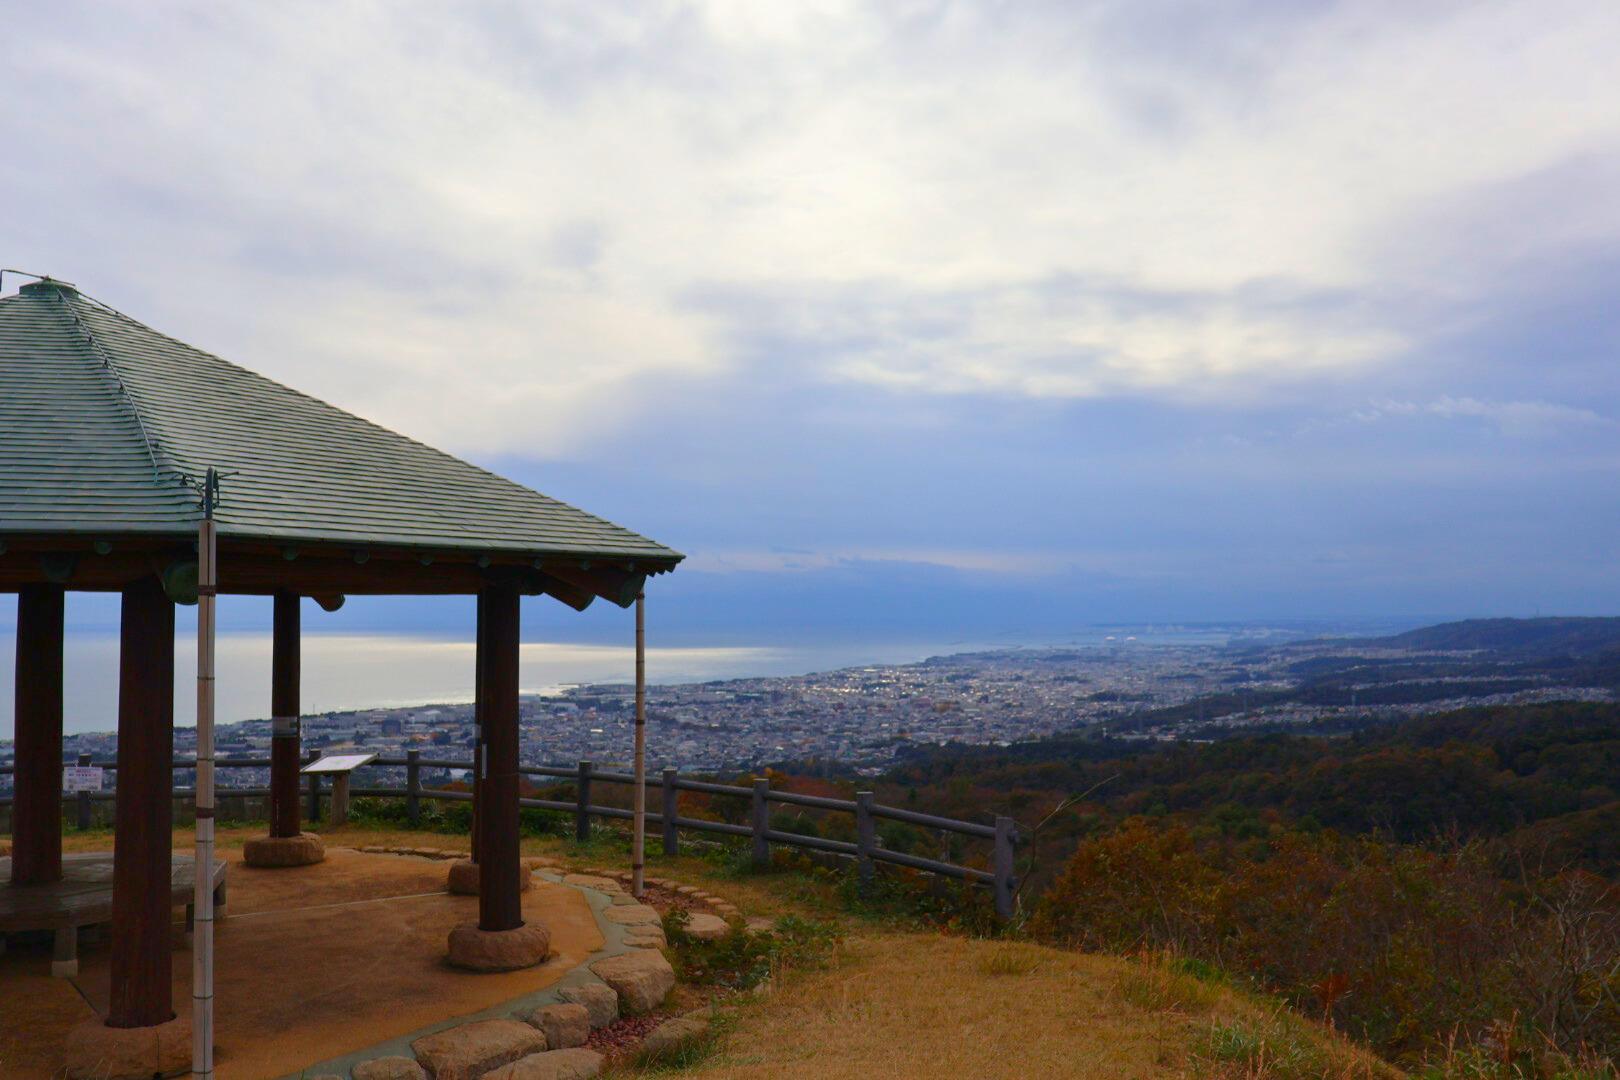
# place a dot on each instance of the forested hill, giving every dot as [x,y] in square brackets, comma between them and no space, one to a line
[1410,880]
[1548,772]
[1538,637]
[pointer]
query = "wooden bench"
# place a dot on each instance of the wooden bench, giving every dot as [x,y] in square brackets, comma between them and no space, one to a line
[84,898]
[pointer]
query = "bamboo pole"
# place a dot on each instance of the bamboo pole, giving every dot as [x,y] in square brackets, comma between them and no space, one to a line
[202,948]
[638,831]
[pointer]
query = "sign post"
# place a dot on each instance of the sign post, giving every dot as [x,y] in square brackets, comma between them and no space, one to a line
[338,766]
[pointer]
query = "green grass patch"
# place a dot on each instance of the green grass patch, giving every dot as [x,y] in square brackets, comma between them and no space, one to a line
[741,960]
[1009,961]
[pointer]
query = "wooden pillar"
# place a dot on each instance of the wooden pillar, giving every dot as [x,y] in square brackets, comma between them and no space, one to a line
[478,721]
[142,983]
[480,651]
[36,812]
[285,744]
[500,905]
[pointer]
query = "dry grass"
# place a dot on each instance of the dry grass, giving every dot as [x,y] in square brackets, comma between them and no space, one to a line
[917,1005]
[914,1005]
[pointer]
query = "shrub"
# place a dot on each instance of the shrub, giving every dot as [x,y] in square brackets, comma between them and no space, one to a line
[741,960]
[1415,950]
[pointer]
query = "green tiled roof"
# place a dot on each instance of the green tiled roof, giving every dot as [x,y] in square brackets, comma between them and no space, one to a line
[107,426]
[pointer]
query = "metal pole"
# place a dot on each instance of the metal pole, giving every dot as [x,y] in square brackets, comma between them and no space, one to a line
[638,831]
[202,955]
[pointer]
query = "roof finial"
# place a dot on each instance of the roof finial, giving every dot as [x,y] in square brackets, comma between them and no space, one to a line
[210,493]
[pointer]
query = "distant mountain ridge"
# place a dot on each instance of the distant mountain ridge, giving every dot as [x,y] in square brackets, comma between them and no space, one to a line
[1570,636]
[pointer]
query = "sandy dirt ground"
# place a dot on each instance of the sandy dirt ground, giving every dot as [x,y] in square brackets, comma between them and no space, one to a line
[313,962]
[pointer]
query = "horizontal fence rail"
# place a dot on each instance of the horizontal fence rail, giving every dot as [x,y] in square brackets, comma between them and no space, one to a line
[865,849]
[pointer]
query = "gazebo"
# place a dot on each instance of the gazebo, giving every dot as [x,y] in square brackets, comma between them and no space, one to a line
[107,430]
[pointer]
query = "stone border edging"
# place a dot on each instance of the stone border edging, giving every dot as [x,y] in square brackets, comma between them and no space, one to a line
[613,944]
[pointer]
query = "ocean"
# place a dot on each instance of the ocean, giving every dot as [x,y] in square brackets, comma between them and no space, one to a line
[350,671]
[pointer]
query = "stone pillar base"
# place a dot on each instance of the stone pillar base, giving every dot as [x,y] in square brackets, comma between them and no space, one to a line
[498,950]
[463,879]
[98,1052]
[266,852]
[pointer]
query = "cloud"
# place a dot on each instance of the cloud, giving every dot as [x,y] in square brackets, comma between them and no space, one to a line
[1063,337]
[1521,418]
[502,227]
[975,561]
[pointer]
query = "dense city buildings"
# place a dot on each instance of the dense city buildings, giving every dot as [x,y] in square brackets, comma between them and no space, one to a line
[860,720]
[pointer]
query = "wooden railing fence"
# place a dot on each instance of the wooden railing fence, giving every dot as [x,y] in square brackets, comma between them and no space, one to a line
[866,849]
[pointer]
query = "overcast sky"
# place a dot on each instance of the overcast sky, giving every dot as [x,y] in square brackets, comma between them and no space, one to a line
[902,319]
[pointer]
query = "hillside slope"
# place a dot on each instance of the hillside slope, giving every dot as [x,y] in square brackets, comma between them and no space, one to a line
[1561,636]
[919,1005]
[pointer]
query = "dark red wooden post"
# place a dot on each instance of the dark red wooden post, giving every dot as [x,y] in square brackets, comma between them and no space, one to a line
[479,653]
[285,748]
[36,812]
[142,983]
[500,904]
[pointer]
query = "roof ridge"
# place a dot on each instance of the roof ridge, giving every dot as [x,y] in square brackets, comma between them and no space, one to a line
[161,461]
[490,473]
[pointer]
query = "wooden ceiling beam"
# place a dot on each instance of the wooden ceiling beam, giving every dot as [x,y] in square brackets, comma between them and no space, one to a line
[615,586]
[109,563]
[262,575]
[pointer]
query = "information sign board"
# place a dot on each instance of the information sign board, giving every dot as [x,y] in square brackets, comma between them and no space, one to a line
[81,778]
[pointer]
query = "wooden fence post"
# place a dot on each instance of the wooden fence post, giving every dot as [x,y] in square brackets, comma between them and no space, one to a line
[1006,836]
[865,838]
[762,824]
[413,786]
[314,790]
[84,799]
[582,807]
[672,796]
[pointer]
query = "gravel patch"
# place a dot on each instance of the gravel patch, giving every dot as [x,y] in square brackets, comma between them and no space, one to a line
[624,1034]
